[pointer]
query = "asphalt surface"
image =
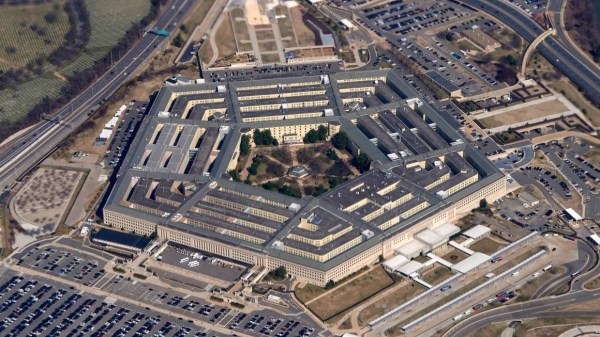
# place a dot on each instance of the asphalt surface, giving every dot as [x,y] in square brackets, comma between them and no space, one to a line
[573,65]
[520,311]
[46,135]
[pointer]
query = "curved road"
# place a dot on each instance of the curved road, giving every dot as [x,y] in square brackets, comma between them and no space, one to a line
[520,311]
[575,66]
[44,136]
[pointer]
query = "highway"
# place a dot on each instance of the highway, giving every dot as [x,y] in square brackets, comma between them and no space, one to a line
[575,66]
[46,135]
[526,310]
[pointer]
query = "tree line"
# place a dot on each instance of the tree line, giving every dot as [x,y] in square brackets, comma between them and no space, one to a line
[80,80]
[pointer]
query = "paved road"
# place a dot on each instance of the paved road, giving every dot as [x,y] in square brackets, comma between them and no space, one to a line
[575,66]
[521,311]
[46,135]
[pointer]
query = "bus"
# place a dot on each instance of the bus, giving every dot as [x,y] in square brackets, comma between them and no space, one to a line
[546,268]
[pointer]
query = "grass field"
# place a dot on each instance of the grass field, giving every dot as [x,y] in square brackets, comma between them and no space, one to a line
[16,25]
[238,20]
[270,58]
[286,28]
[309,292]
[386,304]
[304,35]
[227,42]
[576,98]
[267,46]
[524,114]
[109,19]
[454,256]
[265,35]
[351,293]
[486,246]
[16,103]
[436,275]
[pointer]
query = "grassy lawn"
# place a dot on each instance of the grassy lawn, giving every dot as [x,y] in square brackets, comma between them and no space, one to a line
[109,20]
[421,259]
[226,45]
[240,27]
[286,27]
[528,289]
[308,292]
[578,100]
[516,260]
[454,256]
[593,284]
[348,57]
[206,52]
[20,24]
[265,35]
[436,275]
[389,302]
[351,293]
[267,46]
[269,58]
[486,246]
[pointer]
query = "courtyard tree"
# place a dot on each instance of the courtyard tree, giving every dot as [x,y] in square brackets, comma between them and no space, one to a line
[340,140]
[245,145]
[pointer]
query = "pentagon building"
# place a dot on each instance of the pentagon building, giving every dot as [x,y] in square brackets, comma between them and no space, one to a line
[423,174]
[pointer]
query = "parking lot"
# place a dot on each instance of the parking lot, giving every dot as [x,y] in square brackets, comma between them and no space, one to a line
[34,306]
[65,263]
[124,133]
[539,217]
[202,263]
[530,6]
[85,269]
[400,23]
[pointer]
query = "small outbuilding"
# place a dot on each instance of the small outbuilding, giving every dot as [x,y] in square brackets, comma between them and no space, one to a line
[529,200]
[298,171]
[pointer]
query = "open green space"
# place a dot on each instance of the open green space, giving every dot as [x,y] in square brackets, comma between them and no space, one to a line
[351,293]
[109,20]
[31,31]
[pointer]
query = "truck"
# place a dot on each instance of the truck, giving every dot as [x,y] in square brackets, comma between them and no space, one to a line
[161,32]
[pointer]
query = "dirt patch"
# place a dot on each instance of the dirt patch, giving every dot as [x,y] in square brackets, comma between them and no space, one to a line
[487,246]
[304,35]
[396,297]
[522,115]
[528,328]
[351,293]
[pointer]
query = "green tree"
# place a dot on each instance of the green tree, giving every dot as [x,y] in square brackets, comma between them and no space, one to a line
[311,137]
[362,162]
[178,41]
[257,136]
[275,142]
[245,145]
[280,272]
[322,132]
[234,175]
[331,154]
[381,259]
[449,36]
[483,204]
[340,140]
[333,182]
[330,285]
[319,190]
